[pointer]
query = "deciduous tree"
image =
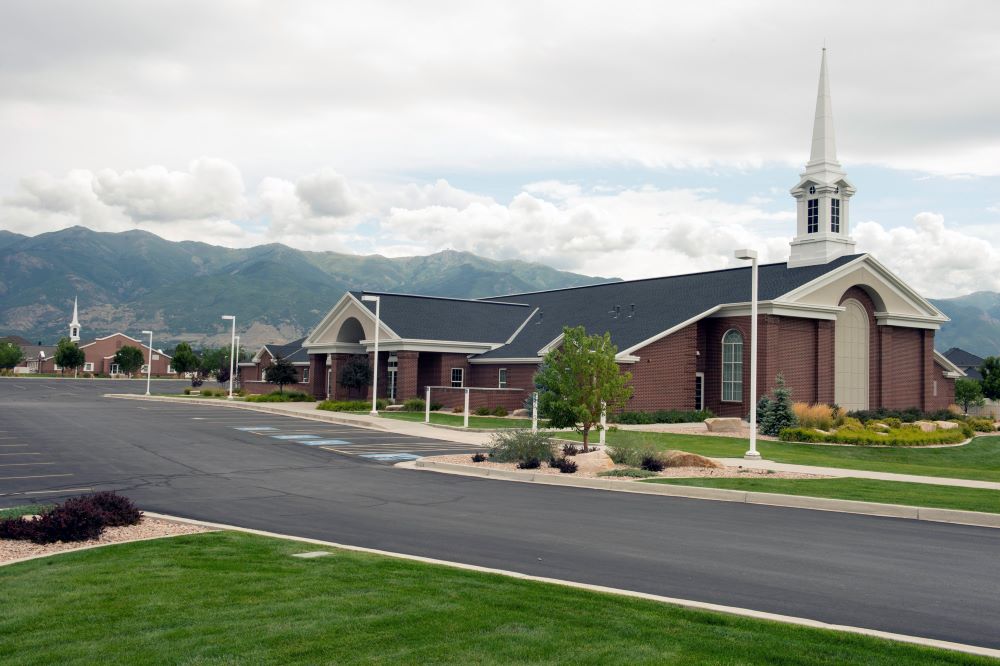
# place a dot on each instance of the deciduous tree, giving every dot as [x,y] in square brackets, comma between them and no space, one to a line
[129,359]
[282,372]
[356,373]
[69,356]
[990,370]
[969,393]
[10,355]
[184,359]
[579,379]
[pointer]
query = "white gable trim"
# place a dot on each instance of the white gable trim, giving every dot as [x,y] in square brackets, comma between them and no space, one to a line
[552,345]
[629,353]
[346,301]
[952,371]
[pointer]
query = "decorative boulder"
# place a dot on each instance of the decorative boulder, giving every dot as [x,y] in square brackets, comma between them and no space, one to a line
[393,408]
[926,426]
[594,461]
[730,424]
[685,459]
[947,425]
[521,413]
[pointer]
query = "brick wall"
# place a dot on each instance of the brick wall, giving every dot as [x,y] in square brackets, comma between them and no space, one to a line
[450,398]
[903,367]
[664,378]
[945,389]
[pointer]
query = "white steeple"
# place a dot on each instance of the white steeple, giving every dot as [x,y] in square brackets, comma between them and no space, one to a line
[74,326]
[823,192]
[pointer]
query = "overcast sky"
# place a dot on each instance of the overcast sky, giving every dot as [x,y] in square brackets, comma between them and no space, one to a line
[627,139]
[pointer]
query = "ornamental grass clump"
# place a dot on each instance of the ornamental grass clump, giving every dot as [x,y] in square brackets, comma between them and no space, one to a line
[813,416]
[517,445]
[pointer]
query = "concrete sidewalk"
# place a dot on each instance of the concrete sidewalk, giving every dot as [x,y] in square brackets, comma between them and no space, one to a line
[308,410]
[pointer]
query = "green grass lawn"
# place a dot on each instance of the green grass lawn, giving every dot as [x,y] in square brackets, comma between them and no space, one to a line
[979,459]
[237,598]
[865,490]
[25,510]
[487,422]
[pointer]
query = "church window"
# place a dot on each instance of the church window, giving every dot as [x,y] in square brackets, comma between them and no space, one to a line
[812,216]
[457,377]
[812,189]
[835,215]
[732,366]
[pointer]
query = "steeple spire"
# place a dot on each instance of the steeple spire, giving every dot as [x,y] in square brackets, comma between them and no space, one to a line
[824,148]
[74,326]
[823,192]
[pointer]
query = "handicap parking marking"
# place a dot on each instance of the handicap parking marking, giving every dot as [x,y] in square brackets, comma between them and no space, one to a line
[323,442]
[294,437]
[390,457]
[254,428]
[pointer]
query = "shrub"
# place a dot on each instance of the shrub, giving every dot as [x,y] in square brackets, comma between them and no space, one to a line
[893,422]
[350,405]
[908,415]
[482,411]
[529,463]
[901,437]
[631,473]
[627,455]
[436,406]
[517,445]
[563,465]
[500,411]
[116,510]
[982,425]
[288,396]
[187,391]
[778,413]
[652,463]
[414,405]
[568,449]
[851,423]
[661,416]
[458,410]
[813,416]
[74,520]
[18,529]
[478,457]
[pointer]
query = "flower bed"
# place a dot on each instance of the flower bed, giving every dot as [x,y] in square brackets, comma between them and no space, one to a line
[891,437]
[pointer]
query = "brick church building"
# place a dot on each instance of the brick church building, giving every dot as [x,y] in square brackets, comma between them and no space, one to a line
[839,326]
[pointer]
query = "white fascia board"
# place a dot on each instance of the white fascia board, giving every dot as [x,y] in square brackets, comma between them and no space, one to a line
[108,337]
[627,358]
[908,291]
[906,321]
[952,370]
[673,329]
[780,308]
[327,321]
[338,348]
[506,361]
[521,327]
[552,345]
[260,352]
[447,346]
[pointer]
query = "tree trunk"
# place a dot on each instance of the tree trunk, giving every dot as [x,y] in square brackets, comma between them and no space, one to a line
[586,434]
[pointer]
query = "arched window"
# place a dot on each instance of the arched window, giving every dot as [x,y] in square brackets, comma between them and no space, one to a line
[732,366]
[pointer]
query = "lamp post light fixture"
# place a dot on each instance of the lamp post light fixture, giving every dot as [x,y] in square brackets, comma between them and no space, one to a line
[149,362]
[378,303]
[232,353]
[752,256]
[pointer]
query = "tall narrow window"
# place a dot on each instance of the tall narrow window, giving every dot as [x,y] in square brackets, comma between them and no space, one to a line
[812,216]
[732,366]
[502,380]
[457,376]
[835,215]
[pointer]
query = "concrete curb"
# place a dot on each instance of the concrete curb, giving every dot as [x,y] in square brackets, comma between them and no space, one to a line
[684,603]
[974,518]
[252,406]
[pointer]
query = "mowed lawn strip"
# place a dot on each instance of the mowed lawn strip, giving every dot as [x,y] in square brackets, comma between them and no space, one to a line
[486,422]
[979,459]
[238,598]
[863,490]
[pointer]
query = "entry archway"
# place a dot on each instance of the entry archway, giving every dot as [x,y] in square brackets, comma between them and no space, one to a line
[351,331]
[851,357]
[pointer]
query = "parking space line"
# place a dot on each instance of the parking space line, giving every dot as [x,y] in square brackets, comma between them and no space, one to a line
[47,492]
[36,476]
[4,445]
[25,464]
[22,453]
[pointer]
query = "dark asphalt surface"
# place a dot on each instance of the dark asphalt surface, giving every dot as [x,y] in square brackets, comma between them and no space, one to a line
[924,579]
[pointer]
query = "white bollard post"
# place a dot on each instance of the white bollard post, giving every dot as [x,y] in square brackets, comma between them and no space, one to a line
[604,423]
[534,412]
[466,425]
[427,406]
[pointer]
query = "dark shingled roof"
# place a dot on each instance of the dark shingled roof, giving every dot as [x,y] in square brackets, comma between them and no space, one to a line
[293,351]
[455,319]
[660,304]
[966,361]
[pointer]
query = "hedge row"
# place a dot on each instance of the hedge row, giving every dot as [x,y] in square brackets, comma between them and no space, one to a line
[76,519]
[661,416]
[898,437]
[287,396]
[350,405]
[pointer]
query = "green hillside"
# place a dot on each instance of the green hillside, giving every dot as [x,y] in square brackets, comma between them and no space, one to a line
[133,280]
[974,325]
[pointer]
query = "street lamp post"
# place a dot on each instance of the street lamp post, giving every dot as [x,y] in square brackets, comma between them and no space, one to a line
[378,303]
[149,362]
[752,256]
[232,353]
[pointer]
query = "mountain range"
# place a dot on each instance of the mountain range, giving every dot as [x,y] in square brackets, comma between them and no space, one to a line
[135,280]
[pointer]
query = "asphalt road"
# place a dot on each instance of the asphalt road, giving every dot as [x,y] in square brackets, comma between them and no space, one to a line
[933,580]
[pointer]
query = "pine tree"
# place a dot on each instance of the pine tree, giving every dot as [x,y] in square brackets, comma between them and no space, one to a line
[778,413]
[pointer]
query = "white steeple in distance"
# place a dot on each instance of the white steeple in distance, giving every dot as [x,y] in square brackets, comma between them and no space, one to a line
[823,192]
[74,326]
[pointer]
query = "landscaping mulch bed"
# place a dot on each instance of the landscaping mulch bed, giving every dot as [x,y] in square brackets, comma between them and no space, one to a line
[148,528]
[675,472]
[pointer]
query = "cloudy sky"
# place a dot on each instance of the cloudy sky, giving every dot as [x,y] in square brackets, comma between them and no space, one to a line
[630,139]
